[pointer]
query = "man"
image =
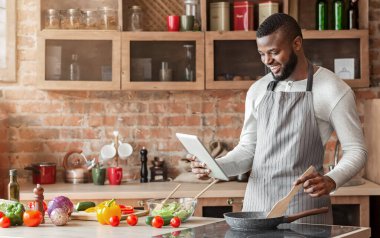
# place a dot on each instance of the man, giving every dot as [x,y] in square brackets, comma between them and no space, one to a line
[289,115]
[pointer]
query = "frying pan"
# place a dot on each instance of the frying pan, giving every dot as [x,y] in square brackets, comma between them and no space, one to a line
[247,221]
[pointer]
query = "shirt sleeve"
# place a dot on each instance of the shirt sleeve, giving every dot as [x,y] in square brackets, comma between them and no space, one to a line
[239,160]
[346,123]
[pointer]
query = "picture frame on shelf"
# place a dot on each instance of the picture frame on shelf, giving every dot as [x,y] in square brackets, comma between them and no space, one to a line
[345,68]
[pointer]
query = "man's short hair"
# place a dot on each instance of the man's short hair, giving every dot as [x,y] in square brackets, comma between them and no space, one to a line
[278,21]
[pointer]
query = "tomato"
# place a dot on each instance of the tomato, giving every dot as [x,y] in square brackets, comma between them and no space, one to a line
[5,222]
[31,206]
[132,220]
[176,233]
[32,218]
[1,214]
[126,209]
[157,222]
[175,222]
[114,221]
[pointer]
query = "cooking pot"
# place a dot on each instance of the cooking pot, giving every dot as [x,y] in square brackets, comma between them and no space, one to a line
[43,173]
[77,167]
[249,221]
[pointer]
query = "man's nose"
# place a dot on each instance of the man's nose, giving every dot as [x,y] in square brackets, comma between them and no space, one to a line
[267,59]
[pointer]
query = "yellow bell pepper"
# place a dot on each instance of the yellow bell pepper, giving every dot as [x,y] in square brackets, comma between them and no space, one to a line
[107,210]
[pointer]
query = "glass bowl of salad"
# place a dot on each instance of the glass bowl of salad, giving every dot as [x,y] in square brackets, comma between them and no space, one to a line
[175,207]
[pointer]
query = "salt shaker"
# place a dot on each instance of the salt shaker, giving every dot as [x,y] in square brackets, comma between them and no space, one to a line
[39,200]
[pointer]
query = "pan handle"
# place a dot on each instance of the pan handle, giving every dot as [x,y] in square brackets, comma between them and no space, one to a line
[306,213]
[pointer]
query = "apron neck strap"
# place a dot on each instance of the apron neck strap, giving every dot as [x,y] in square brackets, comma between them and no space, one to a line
[310,72]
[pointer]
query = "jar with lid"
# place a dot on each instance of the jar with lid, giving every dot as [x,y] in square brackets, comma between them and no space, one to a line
[52,19]
[90,20]
[72,19]
[107,18]
[135,19]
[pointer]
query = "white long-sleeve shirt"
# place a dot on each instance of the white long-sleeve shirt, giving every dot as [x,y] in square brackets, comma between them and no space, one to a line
[334,107]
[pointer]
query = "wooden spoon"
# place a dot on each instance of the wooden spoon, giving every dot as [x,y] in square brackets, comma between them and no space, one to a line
[159,206]
[282,205]
[205,189]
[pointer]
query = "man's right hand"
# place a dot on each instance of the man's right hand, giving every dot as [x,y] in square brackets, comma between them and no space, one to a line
[200,169]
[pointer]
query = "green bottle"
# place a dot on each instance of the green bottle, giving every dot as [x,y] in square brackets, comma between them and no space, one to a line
[13,186]
[321,15]
[338,14]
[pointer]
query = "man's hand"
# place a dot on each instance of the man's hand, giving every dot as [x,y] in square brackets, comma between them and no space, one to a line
[316,185]
[199,168]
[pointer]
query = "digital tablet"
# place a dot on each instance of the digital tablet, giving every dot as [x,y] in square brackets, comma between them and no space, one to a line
[195,147]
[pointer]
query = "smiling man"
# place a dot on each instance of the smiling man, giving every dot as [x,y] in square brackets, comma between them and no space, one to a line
[289,116]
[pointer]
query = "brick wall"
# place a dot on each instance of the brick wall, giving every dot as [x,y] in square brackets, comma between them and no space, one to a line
[43,125]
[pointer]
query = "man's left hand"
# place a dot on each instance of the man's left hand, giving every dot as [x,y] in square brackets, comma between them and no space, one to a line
[316,185]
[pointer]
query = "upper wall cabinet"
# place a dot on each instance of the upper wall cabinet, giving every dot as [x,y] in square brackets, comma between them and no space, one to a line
[232,60]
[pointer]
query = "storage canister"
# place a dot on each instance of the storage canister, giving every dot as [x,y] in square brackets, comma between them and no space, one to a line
[243,16]
[220,16]
[135,19]
[108,18]
[266,9]
[52,19]
[72,19]
[90,20]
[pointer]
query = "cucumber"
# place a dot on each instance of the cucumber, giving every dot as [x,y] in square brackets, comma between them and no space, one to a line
[81,206]
[148,220]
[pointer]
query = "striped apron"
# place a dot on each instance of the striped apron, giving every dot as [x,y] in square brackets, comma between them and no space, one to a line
[288,142]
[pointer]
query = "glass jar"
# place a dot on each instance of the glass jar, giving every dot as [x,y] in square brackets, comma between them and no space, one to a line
[52,19]
[72,19]
[108,18]
[135,19]
[189,63]
[90,20]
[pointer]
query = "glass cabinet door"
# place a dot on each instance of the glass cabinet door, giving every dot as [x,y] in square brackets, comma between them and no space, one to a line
[170,61]
[82,61]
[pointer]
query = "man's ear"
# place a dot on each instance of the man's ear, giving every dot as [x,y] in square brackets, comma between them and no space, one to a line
[297,43]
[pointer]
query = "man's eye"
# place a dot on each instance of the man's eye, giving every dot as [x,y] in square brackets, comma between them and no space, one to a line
[274,52]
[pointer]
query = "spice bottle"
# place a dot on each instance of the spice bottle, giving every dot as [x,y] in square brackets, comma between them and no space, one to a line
[13,186]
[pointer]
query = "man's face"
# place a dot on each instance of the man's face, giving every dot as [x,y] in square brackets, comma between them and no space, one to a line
[277,54]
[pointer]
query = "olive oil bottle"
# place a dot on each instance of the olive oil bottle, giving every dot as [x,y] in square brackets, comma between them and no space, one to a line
[13,186]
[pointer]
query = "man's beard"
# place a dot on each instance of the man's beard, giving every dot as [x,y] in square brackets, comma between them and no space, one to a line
[288,68]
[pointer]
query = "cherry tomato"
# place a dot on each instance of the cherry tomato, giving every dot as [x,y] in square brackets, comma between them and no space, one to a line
[157,222]
[31,206]
[175,222]
[32,218]
[176,233]
[5,222]
[132,220]
[114,221]
[1,214]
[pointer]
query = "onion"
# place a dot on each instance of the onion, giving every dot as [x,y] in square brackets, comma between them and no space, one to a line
[60,202]
[59,217]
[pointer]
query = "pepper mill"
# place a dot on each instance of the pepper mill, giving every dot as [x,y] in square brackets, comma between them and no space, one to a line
[144,168]
[38,202]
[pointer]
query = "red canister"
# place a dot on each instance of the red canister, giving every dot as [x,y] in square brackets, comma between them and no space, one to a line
[243,16]
[43,173]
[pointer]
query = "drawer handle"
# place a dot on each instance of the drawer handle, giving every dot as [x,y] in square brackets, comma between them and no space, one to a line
[141,203]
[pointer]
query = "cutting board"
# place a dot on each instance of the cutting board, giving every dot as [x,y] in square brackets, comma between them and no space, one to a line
[91,216]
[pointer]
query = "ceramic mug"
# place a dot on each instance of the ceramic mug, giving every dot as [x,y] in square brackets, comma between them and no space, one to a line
[172,23]
[98,175]
[124,150]
[187,23]
[115,175]
[107,152]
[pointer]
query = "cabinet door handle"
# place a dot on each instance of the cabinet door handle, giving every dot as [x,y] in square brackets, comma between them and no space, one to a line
[230,201]
[141,203]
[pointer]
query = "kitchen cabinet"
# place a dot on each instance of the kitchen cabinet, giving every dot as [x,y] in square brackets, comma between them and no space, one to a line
[220,60]
[232,60]
[8,41]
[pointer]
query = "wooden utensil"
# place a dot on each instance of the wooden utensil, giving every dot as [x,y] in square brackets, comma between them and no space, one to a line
[280,207]
[205,189]
[160,205]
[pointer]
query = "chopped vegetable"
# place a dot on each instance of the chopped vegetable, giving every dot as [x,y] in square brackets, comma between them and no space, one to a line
[174,209]
[82,206]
